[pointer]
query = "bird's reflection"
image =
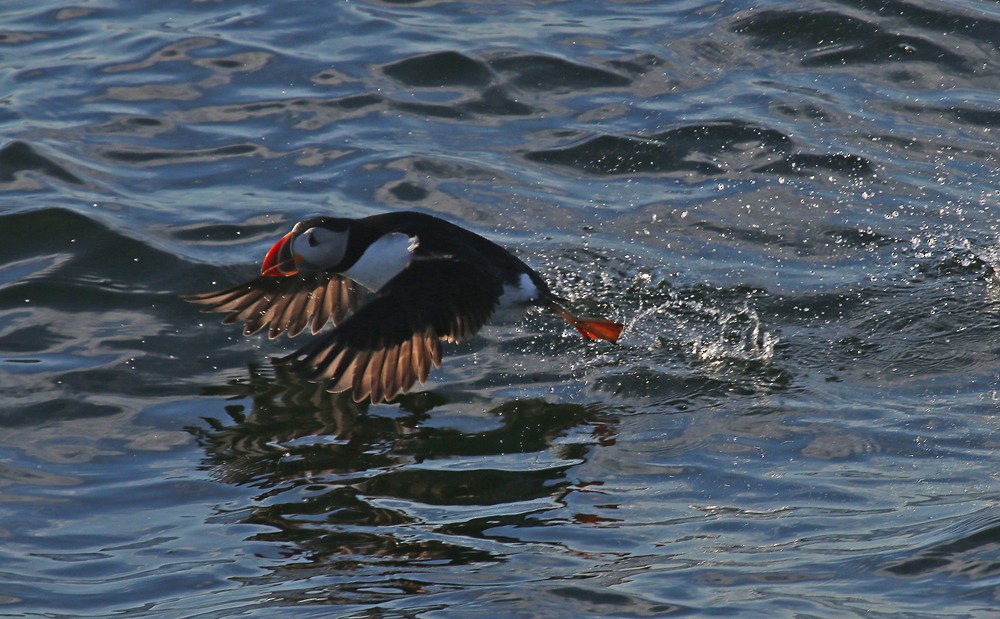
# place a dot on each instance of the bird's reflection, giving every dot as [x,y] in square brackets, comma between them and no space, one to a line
[342,486]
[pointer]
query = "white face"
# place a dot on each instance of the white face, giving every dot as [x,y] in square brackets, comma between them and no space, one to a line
[319,248]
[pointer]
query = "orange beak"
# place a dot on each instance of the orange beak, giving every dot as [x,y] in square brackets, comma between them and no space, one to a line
[279,261]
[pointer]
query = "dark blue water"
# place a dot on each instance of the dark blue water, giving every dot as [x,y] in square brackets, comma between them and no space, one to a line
[792,205]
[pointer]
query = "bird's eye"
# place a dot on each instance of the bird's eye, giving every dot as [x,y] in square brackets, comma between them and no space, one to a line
[311,239]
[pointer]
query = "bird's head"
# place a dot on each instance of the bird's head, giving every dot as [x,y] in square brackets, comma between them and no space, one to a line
[313,245]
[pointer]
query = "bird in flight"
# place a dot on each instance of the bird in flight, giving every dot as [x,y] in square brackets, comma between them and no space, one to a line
[430,280]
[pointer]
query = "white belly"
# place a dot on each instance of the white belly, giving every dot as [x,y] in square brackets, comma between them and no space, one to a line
[522,294]
[517,298]
[514,302]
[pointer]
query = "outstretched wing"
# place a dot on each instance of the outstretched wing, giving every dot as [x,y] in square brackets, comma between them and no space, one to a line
[394,340]
[284,304]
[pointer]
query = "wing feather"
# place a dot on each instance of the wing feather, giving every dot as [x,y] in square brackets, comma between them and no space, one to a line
[389,385]
[283,305]
[394,341]
[405,377]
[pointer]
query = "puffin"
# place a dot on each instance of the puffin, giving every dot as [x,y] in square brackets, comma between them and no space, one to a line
[394,286]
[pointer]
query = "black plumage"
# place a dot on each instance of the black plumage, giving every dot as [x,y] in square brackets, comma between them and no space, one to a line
[449,283]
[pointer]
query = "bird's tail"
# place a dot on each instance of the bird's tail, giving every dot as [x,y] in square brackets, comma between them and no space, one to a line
[590,328]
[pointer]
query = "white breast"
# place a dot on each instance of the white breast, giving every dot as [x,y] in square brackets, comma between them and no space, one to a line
[383,260]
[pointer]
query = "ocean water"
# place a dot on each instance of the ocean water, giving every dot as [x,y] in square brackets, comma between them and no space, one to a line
[791,205]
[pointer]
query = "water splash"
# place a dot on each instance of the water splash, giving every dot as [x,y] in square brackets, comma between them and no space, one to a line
[991,258]
[714,325]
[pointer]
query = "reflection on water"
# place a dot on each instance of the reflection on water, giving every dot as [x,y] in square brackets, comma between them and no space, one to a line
[342,488]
